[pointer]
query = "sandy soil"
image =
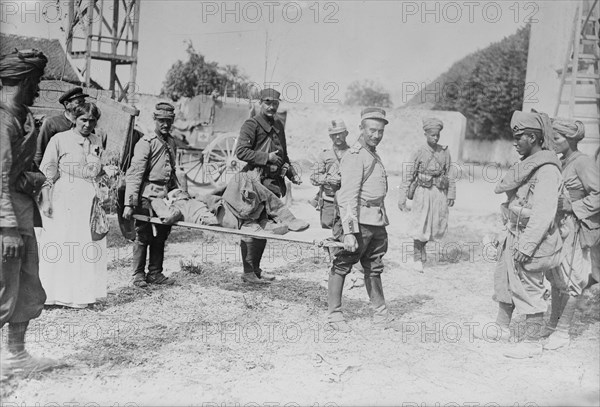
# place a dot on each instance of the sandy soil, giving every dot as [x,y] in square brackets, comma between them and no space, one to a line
[211,340]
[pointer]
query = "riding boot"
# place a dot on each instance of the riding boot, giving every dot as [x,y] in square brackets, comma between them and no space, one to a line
[259,249]
[560,337]
[155,263]
[140,252]
[252,250]
[374,288]
[335,317]
[16,336]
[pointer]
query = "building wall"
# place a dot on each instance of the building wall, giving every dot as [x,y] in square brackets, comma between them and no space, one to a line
[549,45]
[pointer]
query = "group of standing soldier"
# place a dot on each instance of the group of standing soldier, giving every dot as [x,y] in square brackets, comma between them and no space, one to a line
[551,214]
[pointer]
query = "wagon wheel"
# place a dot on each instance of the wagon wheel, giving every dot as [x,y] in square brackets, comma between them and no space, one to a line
[192,164]
[220,162]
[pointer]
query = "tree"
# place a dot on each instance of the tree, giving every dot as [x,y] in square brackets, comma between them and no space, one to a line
[367,93]
[486,86]
[197,76]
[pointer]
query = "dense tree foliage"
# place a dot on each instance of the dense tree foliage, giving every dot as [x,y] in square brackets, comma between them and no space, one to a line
[367,93]
[197,76]
[486,86]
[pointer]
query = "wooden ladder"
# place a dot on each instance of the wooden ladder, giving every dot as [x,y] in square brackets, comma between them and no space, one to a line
[581,100]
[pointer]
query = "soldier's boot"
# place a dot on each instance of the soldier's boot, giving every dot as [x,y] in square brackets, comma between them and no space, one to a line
[498,330]
[374,289]
[18,361]
[259,248]
[423,253]
[558,302]
[155,264]
[335,317]
[530,346]
[140,252]
[560,338]
[250,261]
[285,216]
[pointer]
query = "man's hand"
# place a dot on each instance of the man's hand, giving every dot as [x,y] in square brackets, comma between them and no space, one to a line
[564,204]
[350,243]
[402,206]
[127,212]
[450,203]
[521,257]
[297,180]
[12,243]
[274,158]
[46,208]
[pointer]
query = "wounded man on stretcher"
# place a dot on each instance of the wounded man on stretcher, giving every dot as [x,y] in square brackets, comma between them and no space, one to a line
[244,204]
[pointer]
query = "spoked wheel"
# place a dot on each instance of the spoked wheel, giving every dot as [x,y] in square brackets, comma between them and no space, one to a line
[220,162]
[192,164]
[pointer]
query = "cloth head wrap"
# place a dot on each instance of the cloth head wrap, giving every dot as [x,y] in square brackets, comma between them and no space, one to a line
[22,64]
[571,129]
[536,121]
[432,124]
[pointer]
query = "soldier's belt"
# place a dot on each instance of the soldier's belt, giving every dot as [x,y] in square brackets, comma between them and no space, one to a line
[375,203]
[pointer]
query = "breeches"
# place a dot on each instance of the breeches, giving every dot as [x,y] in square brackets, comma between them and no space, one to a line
[372,246]
[143,230]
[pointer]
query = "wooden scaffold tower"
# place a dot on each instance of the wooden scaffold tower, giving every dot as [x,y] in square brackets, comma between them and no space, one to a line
[579,91]
[108,31]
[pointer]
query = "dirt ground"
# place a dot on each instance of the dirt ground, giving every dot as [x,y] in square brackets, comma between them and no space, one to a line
[210,340]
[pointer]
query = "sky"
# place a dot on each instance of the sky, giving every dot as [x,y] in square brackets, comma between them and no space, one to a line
[313,50]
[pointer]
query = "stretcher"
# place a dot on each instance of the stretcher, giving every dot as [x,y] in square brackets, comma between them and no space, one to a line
[319,242]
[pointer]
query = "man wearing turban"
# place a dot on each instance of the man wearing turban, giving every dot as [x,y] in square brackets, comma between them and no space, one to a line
[21,293]
[579,214]
[429,184]
[531,244]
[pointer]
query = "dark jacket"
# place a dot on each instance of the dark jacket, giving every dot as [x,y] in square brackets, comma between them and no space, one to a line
[260,136]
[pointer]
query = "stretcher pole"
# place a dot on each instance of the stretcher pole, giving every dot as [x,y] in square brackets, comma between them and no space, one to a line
[261,235]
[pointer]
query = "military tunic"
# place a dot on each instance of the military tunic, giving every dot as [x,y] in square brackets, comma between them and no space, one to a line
[260,136]
[326,175]
[361,206]
[429,214]
[152,171]
[21,294]
[532,187]
[579,228]
[151,175]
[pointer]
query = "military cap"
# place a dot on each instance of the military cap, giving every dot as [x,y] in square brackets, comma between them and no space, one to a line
[337,126]
[71,94]
[269,94]
[373,113]
[164,110]
[522,121]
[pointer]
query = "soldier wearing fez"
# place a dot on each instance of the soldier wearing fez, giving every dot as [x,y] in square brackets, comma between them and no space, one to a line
[262,144]
[22,296]
[151,175]
[360,203]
